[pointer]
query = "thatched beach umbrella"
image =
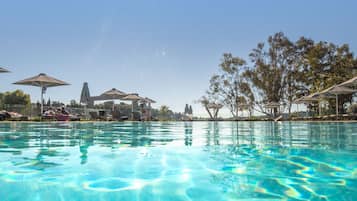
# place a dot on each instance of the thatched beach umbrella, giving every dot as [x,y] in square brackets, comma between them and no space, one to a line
[273,105]
[336,90]
[149,101]
[214,105]
[114,94]
[43,81]
[349,83]
[319,96]
[306,100]
[133,98]
[3,70]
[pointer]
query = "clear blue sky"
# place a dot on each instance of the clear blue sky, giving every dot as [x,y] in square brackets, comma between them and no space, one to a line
[166,50]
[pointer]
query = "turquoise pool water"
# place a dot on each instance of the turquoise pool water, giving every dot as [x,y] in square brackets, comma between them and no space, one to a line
[179,161]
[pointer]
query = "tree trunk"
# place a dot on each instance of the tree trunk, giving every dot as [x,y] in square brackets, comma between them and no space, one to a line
[209,112]
[236,115]
[216,113]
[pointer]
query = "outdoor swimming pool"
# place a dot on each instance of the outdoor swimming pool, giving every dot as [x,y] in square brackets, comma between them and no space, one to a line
[171,161]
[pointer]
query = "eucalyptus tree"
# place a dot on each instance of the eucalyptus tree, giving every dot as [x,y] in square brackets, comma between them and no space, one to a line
[280,71]
[295,78]
[247,99]
[227,85]
[270,75]
[327,64]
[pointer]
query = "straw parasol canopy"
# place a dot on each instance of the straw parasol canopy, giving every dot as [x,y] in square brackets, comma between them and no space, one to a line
[336,90]
[113,94]
[349,83]
[214,105]
[272,105]
[44,81]
[133,97]
[319,96]
[3,70]
[315,97]
[148,100]
[305,99]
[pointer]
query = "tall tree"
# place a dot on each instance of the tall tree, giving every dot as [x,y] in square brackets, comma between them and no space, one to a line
[186,109]
[281,71]
[269,74]
[226,86]
[328,64]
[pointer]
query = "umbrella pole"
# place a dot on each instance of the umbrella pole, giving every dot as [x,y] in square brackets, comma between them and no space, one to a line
[132,110]
[113,104]
[297,109]
[41,101]
[85,111]
[319,108]
[336,106]
[149,115]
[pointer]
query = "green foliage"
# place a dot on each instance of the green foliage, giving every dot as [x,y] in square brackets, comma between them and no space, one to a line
[165,113]
[73,103]
[190,111]
[228,87]
[186,109]
[270,75]
[56,104]
[15,101]
[281,71]
[17,97]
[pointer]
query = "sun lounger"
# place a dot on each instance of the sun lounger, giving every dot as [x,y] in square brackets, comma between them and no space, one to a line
[12,116]
[4,115]
[74,118]
[48,117]
[62,117]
